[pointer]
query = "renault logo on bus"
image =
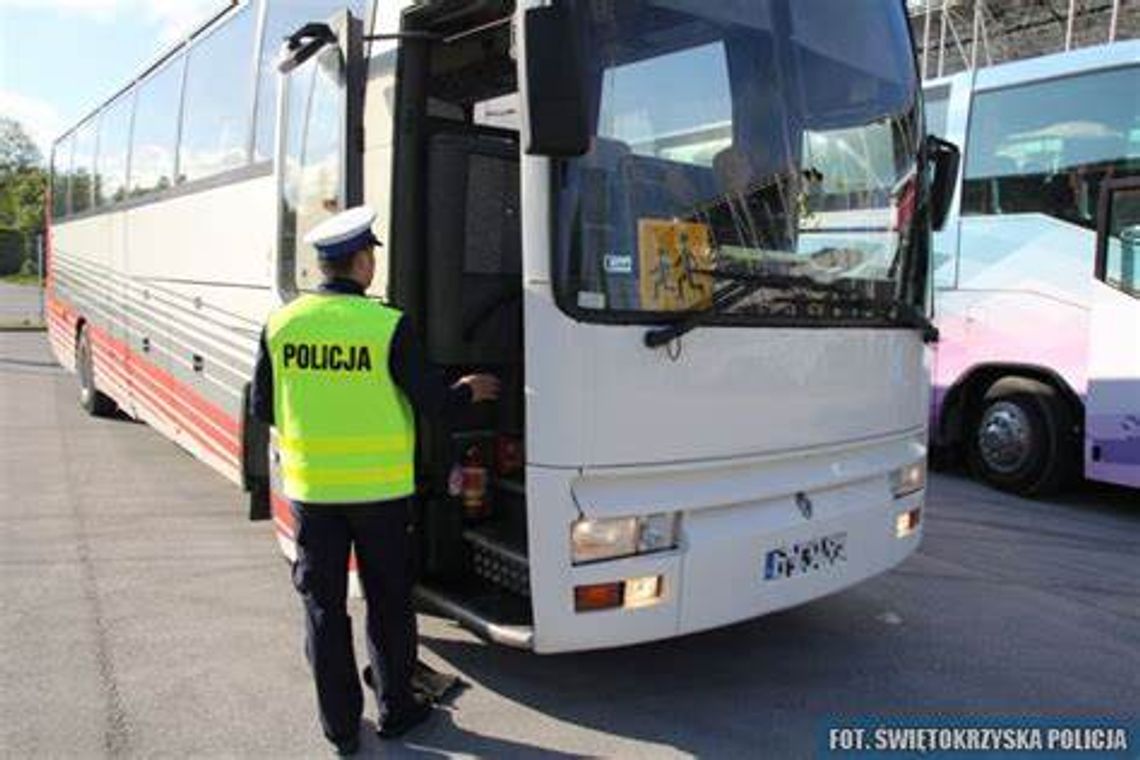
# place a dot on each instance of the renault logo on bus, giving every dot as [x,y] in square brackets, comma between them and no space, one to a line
[804,503]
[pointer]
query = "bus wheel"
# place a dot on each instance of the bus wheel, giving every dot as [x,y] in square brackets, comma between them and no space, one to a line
[1021,440]
[94,401]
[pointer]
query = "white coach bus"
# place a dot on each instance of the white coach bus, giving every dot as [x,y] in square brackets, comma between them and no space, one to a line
[692,238]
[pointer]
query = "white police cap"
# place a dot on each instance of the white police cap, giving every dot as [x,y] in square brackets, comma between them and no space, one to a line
[344,234]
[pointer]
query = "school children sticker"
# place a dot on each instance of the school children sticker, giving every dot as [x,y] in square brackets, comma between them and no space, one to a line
[672,258]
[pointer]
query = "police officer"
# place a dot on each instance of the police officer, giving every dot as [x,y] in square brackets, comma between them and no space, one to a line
[338,375]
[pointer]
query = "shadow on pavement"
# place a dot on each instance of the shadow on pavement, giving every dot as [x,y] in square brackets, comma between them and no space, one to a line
[726,692]
[441,737]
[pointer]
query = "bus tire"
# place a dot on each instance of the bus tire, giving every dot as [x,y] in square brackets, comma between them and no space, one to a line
[94,401]
[1021,439]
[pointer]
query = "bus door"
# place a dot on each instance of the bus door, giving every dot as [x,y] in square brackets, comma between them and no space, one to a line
[317,157]
[1112,420]
[318,148]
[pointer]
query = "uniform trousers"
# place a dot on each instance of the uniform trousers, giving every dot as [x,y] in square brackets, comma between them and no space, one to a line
[380,533]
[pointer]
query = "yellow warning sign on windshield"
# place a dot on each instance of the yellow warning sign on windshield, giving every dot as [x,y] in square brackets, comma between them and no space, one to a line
[672,257]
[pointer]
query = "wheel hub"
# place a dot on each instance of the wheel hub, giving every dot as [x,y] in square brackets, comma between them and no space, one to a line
[1004,437]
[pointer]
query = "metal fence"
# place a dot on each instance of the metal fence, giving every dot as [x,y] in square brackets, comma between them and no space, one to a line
[22,293]
[953,35]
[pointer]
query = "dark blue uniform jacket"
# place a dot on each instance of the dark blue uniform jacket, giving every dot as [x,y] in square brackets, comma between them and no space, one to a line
[423,384]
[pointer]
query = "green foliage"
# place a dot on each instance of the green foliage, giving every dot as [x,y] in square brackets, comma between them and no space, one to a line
[23,183]
[17,151]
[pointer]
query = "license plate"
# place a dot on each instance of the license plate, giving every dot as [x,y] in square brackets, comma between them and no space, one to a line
[805,557]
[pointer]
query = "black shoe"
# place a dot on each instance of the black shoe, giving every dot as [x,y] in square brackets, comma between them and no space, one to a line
[347,747]
[398,724]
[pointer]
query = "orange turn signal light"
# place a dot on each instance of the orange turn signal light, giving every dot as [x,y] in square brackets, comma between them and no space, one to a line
[598,596]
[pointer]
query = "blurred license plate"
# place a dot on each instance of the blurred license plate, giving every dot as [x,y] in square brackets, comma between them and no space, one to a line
[805,557]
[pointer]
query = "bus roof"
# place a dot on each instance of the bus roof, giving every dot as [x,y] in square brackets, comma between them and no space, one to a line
[1105,56]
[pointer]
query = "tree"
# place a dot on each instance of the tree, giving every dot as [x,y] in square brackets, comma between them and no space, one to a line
[23,184]
[17,151]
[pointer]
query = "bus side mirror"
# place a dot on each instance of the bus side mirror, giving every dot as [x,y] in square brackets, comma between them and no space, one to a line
[945,157]
[555,101]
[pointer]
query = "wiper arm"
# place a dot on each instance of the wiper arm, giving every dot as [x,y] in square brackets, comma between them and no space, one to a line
[913,317]
[907,314]
[745,284]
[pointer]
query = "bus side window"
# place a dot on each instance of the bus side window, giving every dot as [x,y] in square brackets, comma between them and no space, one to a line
[215,120]
[155,133]
[1028,152]
[114,144]
[83,167]
[60,168]
[1122,253]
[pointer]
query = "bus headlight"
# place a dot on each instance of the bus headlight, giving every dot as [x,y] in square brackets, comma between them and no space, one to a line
[907,480]
[592,540]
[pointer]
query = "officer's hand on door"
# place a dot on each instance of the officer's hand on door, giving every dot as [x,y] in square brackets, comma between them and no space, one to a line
[483,387]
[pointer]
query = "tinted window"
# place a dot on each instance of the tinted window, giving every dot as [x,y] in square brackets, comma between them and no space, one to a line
[1122,257]
[282,20]
[703,157]
[215,126]
[60,166]
[156,130]
[81,185]
[691,126]
[1048,147]
[114,143]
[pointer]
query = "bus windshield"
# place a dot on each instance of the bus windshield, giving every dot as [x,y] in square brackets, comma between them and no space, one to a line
[765,138]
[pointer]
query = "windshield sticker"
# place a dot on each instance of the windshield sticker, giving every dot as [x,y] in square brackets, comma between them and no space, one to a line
[588,299]
[673,256]
[618,263]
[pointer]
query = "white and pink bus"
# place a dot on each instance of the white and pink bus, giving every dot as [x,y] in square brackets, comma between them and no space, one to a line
[1040,347]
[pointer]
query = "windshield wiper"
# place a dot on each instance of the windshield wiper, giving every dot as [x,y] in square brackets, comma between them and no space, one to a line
[745,284]
[742,286]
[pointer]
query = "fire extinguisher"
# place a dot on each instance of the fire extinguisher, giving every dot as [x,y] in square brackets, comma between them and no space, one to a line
[473,484]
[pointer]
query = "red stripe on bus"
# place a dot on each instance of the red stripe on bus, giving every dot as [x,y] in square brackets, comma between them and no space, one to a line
[180,407]
[170,383]
[152,400]
[196,403]
[282,515]
[171,407]
[174,393]
[183,417]
[183,408]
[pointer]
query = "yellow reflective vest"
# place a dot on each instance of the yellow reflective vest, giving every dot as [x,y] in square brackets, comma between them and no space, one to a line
[345,431]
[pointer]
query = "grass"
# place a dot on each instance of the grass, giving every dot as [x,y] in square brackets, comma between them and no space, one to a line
[22,325]
[21,279]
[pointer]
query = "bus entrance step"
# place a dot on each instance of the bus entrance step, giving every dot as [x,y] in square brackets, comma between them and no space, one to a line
[499,560]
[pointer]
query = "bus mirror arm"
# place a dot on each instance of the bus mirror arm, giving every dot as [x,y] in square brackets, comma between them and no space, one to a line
[945,157]
[302,44]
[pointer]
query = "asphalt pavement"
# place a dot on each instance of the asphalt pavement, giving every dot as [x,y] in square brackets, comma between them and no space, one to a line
[19,305]
[143,616]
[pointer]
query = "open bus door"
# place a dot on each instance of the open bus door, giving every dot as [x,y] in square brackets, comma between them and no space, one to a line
[1112,421]
[318,166]
[318,141]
